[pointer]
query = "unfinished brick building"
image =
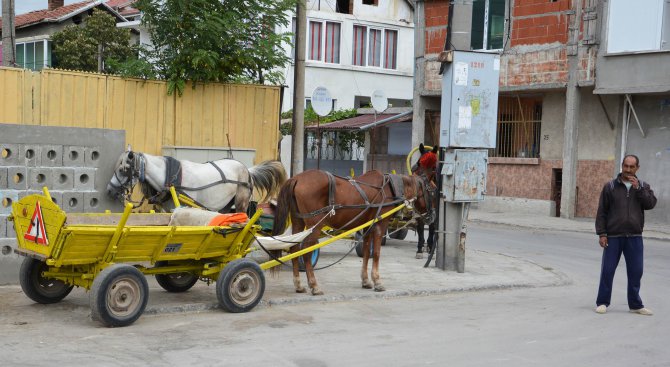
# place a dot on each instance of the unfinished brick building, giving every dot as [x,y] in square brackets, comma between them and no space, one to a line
[560,130]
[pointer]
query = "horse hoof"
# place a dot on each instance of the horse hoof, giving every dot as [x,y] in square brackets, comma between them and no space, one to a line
[367,284]
[419,255]
[380,288]
[317,292]
[300,290]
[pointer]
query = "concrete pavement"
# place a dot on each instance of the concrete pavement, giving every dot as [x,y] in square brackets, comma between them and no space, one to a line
[402,274]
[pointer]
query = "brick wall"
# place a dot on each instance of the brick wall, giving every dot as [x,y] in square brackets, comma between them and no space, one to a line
[436,13]
[535,181]
[539,22]
[547,65]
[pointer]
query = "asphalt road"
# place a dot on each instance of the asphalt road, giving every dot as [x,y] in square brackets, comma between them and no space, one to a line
[549,326]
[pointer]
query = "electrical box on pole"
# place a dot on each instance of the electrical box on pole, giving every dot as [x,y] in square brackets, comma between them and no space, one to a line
[468,120]
[468,123]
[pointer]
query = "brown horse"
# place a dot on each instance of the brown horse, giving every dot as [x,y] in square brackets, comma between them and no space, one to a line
[318,198]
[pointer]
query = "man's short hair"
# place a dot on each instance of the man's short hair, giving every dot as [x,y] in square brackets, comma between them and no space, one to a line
[637,160]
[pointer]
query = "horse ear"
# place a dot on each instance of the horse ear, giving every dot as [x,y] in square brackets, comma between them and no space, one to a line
[435,149]
[129,148]
[421,148]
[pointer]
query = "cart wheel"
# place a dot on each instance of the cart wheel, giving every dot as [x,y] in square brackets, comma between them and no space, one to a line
[40,289]
[358,239]
[175,282]
[399,235]
[119,295]
[240,286]
[314,259]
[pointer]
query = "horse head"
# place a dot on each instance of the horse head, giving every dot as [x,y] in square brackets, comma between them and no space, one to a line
[125,175]
[424,193]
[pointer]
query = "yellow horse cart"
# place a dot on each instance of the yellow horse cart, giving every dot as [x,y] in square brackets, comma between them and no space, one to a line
[110,254]
[95,251]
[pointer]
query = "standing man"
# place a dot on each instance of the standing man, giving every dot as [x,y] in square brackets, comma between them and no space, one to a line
[619,226]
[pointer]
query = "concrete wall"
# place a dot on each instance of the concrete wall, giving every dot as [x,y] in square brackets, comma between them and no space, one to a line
[553,117]
[74,163]
[653,150]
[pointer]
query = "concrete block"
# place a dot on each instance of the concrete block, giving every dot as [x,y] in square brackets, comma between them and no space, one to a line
[84,179]
[25,193]
[9,154]
[92,201]
[3,178]
[11,233]
[17,178]
[30,155]
[73,202]
[7,198]
[52,156]
[73,156]
[39,177]
[92,156]
[57,197]
[62,178]
[3,226]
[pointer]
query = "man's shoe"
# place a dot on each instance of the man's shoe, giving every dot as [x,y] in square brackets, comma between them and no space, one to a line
[642,311]
[601,309]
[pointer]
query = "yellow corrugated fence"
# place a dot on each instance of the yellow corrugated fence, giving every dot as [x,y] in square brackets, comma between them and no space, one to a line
[206,116]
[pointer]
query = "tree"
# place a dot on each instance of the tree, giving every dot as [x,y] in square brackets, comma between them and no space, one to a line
[216,40]
[94,46]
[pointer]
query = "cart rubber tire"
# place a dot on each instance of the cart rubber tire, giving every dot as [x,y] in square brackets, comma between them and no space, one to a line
[399,235]
[240,285]
[359,244]
[39,289]
[314,259]
[119,295]
[175,282]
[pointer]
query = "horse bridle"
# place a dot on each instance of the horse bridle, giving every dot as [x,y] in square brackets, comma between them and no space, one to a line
[428,193]
[132,173]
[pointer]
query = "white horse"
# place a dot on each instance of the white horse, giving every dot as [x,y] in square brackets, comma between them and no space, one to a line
[215,186]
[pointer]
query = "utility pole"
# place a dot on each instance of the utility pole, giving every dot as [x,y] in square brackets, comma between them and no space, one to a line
[298,125]
[8,34]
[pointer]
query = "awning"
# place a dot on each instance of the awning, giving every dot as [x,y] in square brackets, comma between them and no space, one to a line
[365,122]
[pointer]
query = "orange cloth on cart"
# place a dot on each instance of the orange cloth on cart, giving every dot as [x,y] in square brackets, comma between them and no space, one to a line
[228,219]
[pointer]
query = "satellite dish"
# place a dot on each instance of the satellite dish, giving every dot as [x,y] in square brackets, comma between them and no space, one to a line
[379,101]
[322,102]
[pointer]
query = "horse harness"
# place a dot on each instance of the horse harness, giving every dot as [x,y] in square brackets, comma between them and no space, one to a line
[173,177]
[394,181]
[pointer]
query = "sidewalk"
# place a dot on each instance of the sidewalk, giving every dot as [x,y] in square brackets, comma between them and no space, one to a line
[585,225]
[401,273]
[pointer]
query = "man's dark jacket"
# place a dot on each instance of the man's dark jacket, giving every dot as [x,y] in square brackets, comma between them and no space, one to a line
[621,212]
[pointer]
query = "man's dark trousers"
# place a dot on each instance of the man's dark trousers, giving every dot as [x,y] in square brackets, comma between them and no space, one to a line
[632,250]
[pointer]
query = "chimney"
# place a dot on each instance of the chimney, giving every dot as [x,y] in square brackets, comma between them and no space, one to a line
[53,4]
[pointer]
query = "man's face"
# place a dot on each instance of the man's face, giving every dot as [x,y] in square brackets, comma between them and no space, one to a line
[629,167]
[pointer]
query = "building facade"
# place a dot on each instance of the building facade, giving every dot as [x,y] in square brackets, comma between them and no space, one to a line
[354,48]
[564,120]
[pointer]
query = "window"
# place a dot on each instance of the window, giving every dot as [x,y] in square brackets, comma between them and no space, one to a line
[314,41]
[371,2]
[642,25]
[343,6]
[324,46]
[332,54]
[390,49]
[379,45]
[308,103]
[518,132]
[375,47]
[488,24]
[33,55]
[359,45]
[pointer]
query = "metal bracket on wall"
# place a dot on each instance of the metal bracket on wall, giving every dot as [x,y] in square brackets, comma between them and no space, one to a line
[632,109]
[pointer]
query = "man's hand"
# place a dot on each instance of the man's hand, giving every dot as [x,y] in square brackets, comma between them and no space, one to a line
[603,241]
[635,182]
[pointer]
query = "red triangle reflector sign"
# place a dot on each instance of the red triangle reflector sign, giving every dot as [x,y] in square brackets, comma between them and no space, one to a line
[36,231]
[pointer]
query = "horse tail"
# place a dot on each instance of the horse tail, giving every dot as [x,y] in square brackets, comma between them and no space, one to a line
[268,177]
[285,206]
